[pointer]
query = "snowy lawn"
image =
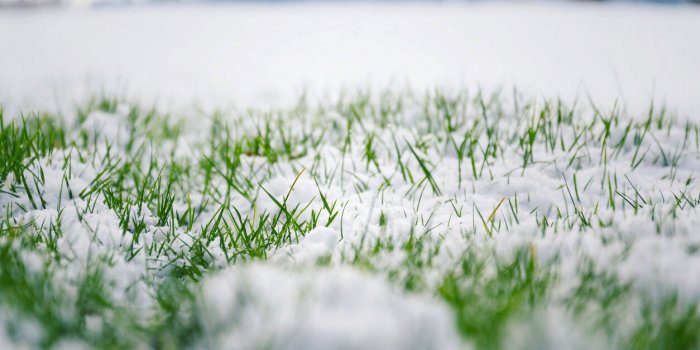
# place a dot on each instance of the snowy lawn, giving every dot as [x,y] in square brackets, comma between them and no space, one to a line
[388,220]
[155,215]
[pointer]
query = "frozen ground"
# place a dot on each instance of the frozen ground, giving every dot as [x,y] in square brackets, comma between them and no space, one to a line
[398,218]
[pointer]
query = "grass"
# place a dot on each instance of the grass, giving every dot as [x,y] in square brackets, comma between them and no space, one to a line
[113,222]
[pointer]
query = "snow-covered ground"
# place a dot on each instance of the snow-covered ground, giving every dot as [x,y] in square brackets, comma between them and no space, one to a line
[379,218]
[247,54]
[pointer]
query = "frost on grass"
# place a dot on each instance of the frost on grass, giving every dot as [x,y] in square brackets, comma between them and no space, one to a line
[392,220]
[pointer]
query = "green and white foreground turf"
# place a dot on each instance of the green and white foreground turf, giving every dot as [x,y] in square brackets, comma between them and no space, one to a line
[385,221]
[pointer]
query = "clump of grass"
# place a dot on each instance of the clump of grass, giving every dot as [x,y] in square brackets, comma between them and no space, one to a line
[485,304]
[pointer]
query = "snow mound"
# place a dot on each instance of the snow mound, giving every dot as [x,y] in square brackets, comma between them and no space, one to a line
[262,306]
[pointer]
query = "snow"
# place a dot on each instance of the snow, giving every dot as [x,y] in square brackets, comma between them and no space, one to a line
[254,305]
[255,54]
[263,306]
[553,330]
[214,55]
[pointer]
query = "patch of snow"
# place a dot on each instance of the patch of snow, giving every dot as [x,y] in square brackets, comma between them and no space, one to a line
[259,305]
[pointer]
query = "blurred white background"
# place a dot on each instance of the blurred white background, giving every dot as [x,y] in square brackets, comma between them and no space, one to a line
[218,54]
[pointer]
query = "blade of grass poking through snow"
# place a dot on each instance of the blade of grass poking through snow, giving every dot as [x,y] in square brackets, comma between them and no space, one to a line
[493,213]
[291,215]
[489,219]
[427,172]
